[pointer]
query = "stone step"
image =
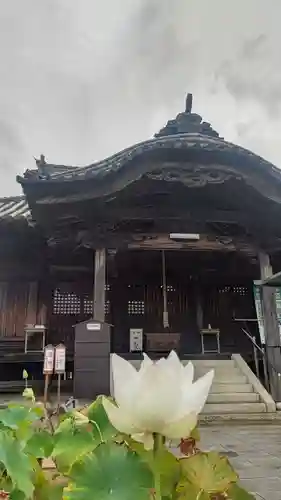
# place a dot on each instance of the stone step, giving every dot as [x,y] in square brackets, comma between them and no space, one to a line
[235,397]
[231,388]
[228,408]
[219,372]
[224,379]
[217,369]
[212,363]
[239,419]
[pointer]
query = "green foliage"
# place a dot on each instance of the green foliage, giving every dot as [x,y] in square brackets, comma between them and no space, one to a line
[112,472]
[71,446]
[165,464]
[235,492]
[15,417]
[93,461]
[102,428]
[17,465]
[40,444]
[208,472]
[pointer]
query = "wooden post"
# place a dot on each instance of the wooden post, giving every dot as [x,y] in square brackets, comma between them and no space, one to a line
[164,284]
[199,310]
[60,361]
[32,304]
[99,285]
[271,327]
[48,368]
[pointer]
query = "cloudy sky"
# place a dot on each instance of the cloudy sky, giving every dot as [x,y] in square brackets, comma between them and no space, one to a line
[82,79]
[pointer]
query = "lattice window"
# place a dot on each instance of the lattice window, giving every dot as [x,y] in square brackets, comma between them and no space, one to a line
[236,290]
[136,307]
[107,307]
[240,290]
[66,303]
[169,288]
[88,306]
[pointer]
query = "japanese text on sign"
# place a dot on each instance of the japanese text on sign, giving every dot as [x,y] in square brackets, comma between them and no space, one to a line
[60,356]
[48,359]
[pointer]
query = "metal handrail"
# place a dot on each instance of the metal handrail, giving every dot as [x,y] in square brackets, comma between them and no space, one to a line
[253,340]
[256,349]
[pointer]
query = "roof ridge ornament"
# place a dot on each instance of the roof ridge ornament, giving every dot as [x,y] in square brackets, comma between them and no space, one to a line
[188,103]
[46,170]
[41,164]
[187,123]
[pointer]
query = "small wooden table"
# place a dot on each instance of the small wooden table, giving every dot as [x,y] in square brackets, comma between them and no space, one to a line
[162,342]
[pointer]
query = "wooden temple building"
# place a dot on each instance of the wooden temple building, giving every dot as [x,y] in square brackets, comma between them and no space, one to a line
[162,241]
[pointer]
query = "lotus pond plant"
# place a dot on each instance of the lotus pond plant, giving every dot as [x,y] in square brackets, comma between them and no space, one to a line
[142,444]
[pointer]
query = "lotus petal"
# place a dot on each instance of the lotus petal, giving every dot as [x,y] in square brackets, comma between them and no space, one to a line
[146,362]
[125,378]
[180,428]
[146,438]
[195,396]
[188,373]
[121,420]
[158,398]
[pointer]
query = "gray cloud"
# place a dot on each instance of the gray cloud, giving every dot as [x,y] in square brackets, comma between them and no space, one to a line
[81,80]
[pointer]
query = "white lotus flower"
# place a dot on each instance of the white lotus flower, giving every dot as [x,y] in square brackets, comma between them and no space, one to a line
[159,398]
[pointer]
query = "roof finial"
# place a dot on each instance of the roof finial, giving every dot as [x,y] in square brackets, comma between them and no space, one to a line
[187,123]
[40,161]
[188,103]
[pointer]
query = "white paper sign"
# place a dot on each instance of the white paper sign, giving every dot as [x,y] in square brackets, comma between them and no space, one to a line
[48,359]
[93,326]
[60,355]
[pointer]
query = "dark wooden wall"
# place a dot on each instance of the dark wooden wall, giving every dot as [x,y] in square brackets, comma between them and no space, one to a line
[22,268]
[56,288]
[137,299]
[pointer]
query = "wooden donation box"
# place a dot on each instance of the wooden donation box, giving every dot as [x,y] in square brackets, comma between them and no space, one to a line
[91,359]
[162,342]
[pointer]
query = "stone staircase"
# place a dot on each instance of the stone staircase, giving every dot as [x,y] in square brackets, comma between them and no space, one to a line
[235,390]
[236,394]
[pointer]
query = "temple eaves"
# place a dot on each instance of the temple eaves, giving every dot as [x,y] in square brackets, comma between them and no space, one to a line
[187,123]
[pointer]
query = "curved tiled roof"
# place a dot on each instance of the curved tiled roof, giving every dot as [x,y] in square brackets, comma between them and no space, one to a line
[14,207]
[187,149]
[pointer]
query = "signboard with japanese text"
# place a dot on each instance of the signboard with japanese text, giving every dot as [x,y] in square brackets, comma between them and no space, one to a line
[48,366]
[259,311]
[60,358]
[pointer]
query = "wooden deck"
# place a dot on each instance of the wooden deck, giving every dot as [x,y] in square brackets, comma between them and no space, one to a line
[13,360]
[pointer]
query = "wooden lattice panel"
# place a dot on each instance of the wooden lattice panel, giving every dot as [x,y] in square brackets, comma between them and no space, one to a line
[136,307]
[88,306]
[67,303]
[235,290]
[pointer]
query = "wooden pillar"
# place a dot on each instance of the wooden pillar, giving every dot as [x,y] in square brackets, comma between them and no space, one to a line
[99,285]
[32,304]
[271,327]
[199,310]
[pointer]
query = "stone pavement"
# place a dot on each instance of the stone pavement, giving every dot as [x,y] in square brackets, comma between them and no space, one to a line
[255,453]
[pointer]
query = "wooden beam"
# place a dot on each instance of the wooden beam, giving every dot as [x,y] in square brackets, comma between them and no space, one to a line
[99,285]
[271,326]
